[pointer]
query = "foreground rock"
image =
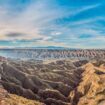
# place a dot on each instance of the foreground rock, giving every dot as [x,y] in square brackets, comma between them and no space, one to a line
[91,90]
[10,99]
[18,100]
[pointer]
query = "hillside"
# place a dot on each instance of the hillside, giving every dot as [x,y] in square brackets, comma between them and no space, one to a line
[49,83]
[58,82]
[91,89]
[11,99]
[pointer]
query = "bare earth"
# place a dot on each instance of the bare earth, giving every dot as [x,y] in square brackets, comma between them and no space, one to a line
[58,82]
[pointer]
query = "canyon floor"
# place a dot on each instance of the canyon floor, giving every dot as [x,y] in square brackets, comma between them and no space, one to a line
[58,82]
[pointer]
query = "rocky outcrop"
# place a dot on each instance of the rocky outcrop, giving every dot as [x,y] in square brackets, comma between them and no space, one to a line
[90,90]
[3,94]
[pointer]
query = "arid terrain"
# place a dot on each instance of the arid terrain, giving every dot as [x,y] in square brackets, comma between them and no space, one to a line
[52,82]
[45,54]
[52,52]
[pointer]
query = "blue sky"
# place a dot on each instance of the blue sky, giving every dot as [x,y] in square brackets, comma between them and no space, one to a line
[64,23]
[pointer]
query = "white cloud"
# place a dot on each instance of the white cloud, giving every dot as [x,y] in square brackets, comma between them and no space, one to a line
[40,16]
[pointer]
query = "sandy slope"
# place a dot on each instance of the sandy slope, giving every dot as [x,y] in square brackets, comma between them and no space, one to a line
[91,90]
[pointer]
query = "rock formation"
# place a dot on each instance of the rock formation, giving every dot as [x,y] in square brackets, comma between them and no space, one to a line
[58,82]
[91,89]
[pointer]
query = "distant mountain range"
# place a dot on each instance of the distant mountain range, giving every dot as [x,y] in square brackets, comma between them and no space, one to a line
[52,53]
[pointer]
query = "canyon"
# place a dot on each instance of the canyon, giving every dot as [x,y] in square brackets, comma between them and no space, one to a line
[54,82]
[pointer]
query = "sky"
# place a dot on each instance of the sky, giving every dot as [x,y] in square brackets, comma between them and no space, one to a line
[60,23]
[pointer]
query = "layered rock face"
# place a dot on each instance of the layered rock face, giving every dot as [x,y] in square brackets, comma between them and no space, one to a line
[91,89]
